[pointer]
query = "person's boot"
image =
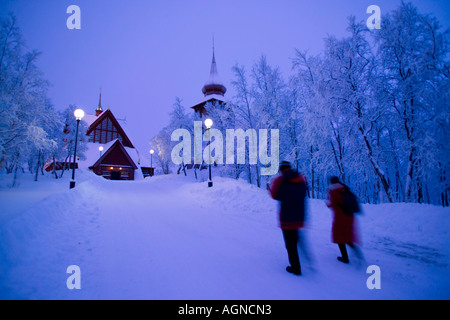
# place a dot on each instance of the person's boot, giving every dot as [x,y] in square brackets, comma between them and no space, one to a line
[297,272]
[344,254]
[344,260]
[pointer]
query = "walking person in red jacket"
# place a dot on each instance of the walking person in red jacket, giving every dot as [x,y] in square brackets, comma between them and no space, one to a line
[343,229]
[290,190]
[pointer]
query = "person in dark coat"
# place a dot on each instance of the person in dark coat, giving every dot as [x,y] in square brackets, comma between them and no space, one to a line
[290,190]
[343,228]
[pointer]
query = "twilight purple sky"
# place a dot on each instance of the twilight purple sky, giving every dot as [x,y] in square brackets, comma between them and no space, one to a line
[144,53]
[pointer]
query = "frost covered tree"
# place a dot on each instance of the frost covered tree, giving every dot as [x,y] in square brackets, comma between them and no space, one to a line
[66,150]
[269,101]
[374,108]
[315,117]
[27,117]
[179,118]
[162,143]
[413,52]
[243,108]
[352,70]
[262,102]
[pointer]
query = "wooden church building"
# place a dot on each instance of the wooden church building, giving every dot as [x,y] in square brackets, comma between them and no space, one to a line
[111,153]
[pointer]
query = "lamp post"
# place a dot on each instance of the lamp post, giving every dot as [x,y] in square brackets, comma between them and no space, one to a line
[151,162]
[79,114]
[100,149]
[208,124]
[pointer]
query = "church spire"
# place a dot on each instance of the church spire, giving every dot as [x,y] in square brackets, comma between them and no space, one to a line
[214,85]
[99,110]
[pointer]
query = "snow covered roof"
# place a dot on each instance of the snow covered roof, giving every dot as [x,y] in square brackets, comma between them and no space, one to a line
[136,157]
[209,97]
[92,154]
[89,118]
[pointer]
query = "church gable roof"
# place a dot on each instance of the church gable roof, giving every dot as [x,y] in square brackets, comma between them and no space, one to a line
[108,114]
[115,155]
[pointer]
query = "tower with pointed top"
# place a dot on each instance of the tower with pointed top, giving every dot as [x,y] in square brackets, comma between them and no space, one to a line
[213,89]
[214,85]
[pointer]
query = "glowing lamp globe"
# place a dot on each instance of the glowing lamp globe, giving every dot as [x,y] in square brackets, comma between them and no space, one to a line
[79,114]
[208,123]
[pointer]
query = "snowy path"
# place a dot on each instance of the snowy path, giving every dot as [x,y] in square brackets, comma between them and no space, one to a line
[169,238]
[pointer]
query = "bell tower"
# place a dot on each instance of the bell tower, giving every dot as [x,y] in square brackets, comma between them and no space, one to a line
[213,89]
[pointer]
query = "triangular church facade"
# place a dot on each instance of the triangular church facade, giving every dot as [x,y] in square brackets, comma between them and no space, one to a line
[111,154]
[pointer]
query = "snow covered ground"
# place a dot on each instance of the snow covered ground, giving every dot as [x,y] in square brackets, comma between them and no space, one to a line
[170,237]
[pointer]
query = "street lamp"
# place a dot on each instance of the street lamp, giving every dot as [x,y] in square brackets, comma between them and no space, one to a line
[208,124]
[100,149]
[151,162]
[79,114]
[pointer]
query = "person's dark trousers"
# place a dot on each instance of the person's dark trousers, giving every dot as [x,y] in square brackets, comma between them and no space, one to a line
[291,241]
